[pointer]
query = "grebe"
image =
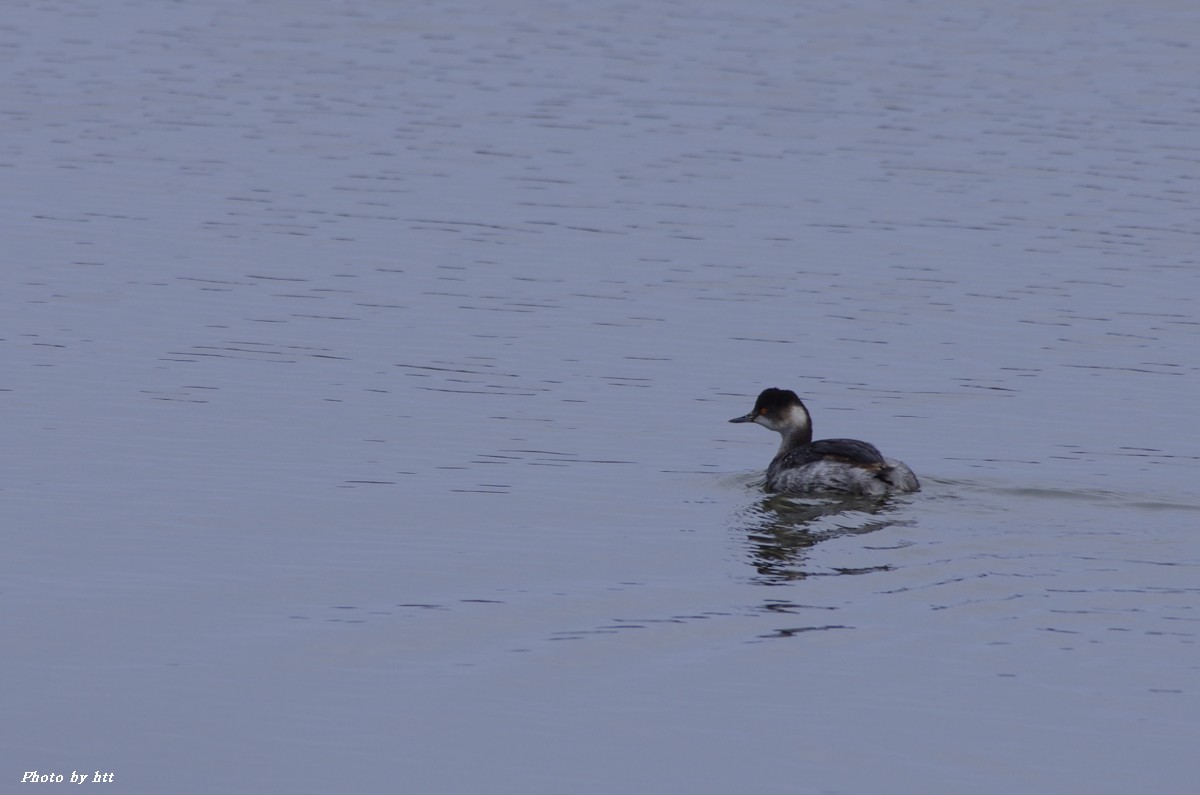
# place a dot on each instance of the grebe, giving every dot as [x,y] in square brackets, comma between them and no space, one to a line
[839,465]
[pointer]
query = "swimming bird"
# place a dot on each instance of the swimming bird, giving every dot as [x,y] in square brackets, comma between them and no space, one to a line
[803,466]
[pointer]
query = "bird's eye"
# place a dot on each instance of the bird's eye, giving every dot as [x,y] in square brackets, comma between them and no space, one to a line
[762,412]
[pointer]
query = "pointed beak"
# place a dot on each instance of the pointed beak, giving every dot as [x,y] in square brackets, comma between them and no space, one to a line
[748,418]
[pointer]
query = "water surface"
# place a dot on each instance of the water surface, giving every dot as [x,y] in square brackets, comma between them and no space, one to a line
[368,370]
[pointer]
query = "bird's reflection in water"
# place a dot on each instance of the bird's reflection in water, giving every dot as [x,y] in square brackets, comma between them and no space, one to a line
[781,528]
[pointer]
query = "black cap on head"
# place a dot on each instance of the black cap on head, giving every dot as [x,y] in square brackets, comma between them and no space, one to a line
[774,399]
[770,401]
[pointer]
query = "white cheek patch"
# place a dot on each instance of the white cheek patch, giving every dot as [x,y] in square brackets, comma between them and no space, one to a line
[797,417]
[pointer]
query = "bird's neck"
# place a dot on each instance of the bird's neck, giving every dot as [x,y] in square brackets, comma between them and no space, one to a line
[795,437]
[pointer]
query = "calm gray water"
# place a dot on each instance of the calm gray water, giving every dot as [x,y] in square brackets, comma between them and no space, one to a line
[367,369]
